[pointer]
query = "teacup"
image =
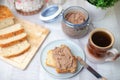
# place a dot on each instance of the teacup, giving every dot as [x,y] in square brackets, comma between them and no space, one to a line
[100,46]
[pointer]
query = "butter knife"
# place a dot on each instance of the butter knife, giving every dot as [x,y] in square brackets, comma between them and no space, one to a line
[89,68]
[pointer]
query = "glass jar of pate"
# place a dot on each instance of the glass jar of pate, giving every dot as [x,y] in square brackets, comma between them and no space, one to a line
[75,22]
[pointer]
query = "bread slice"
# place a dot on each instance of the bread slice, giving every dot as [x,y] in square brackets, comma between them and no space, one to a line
[12,40]
[6,17]
[62,59]
[11,31]
[50,61]
[15,50]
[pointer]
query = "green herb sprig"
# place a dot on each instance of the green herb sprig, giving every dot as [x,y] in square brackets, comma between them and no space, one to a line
[103,3]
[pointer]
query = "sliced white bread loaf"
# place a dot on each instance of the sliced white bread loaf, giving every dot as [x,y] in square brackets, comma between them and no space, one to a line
[12,40]
[15,50]
[11,31]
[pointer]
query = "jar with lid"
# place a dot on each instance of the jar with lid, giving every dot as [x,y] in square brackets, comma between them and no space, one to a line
[75,22]
[28,7]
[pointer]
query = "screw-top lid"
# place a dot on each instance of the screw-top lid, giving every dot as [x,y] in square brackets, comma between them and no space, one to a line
[50,13]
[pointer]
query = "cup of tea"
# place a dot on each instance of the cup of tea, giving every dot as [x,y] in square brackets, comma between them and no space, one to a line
[99,48]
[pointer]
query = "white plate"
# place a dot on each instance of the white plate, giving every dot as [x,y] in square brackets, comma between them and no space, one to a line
[76,50]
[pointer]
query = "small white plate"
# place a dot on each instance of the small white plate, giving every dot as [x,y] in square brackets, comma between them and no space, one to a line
[76,50]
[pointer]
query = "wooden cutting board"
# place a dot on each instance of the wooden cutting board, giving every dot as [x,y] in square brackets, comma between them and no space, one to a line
[36,36]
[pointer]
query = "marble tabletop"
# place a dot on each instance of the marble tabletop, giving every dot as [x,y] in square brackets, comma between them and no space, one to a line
[35,71]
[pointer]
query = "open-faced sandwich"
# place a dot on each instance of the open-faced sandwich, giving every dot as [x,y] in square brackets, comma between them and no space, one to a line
[62,59]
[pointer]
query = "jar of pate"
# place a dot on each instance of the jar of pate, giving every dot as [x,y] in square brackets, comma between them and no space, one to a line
[75,22]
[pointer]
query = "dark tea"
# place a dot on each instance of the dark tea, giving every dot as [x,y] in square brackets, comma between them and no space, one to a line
[101,39]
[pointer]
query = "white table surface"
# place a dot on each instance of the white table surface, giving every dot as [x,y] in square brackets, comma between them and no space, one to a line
[35,71]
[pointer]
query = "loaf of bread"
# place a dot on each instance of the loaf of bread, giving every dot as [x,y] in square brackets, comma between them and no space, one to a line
[6,17]
[13,41]
[15,50]
[62,59]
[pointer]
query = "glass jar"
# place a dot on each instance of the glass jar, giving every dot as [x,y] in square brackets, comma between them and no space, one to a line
[75,22]
[28,7]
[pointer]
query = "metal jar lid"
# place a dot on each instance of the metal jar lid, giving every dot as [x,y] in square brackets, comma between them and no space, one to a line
[50,13]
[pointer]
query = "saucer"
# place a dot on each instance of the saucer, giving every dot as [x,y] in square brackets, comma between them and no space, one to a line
[93,59]
[75,49]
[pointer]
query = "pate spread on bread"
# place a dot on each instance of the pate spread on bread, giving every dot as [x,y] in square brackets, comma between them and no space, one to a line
[62,59]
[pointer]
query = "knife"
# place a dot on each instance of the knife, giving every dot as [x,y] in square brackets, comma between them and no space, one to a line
[89,68]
